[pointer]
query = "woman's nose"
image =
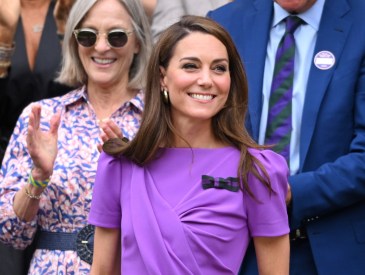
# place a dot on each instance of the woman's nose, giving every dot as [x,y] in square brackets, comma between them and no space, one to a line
[102,43]
[205,78]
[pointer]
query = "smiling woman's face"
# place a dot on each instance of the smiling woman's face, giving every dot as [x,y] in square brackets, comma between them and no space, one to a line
[104,65]
[197,78]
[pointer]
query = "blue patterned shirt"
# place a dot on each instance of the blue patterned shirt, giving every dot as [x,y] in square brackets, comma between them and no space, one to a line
[65,203]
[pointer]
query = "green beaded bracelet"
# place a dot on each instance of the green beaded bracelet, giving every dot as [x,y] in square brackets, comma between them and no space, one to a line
[38,183]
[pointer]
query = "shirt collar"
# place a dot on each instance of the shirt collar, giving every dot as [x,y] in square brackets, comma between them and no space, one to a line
[75,96]
[311,16]
[81,94]
[138,101]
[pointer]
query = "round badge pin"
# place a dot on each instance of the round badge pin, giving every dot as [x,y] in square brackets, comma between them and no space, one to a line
[324,60]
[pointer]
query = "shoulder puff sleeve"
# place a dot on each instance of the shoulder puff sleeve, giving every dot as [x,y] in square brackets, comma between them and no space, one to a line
[267,213]
[106,202]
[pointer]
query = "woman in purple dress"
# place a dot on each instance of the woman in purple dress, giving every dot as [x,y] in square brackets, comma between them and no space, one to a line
[190,191]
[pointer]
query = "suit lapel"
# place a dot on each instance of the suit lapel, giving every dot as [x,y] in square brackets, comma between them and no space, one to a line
[333,30]
[257,24]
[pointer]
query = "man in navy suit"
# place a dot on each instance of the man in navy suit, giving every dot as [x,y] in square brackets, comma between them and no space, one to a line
[327,146]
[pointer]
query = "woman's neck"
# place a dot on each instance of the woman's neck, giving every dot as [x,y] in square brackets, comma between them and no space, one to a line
[197,135]
[106,101]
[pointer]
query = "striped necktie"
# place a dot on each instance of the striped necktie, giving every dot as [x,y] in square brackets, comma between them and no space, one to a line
[279,122]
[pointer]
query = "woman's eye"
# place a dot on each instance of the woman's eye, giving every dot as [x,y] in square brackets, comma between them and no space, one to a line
[189,66]
[220,68]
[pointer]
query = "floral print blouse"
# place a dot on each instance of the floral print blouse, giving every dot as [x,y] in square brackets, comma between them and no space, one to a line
[65,203]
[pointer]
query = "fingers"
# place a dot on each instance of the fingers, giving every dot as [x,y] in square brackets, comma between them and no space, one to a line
[35,120]
[42,144]
[110,130]
[55,122]
[30,133]
[31,119]
[100,147]
[33,126]
[104,137]
[115,128]
[35,116]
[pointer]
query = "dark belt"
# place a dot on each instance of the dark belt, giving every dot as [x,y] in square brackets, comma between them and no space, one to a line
[298,234]
[82,242]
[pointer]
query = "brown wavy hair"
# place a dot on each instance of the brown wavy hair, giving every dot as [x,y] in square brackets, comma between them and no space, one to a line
[156,128]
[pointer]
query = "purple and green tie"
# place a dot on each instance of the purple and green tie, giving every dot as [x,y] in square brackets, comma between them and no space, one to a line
[279,122]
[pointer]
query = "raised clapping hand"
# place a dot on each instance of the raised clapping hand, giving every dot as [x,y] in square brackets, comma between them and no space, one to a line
[42,145]
[110,130]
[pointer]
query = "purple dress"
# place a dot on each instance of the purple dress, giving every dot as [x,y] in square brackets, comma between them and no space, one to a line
[182,213]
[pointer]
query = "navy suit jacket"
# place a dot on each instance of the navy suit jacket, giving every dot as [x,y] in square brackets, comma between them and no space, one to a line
[329,190]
